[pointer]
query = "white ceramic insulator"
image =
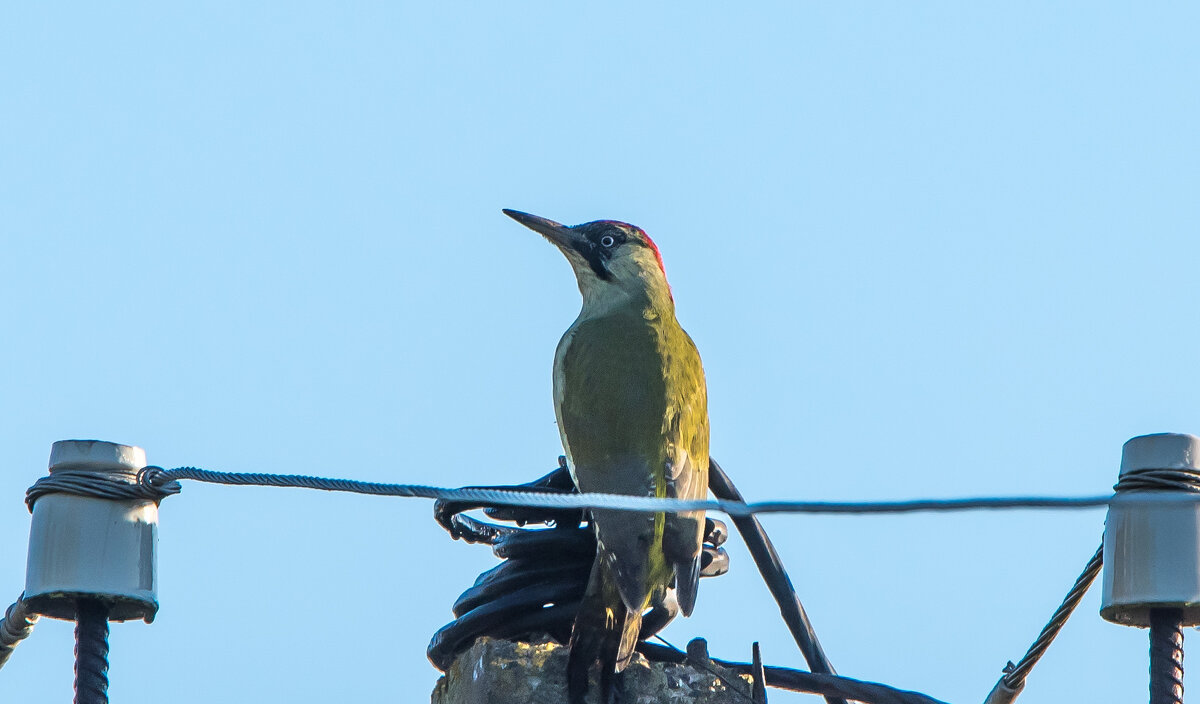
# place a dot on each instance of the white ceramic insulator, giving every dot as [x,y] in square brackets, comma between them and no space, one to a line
[89,547]
[1152,538]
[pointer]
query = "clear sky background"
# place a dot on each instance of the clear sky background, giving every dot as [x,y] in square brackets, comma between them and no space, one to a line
[932,249]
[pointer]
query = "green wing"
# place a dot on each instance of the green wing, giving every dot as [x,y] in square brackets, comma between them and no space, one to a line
[687,471]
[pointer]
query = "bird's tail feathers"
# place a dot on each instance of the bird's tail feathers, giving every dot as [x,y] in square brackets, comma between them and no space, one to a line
[628,638]
[605,632]
[687,583]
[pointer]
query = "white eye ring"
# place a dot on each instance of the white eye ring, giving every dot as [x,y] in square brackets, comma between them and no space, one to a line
[607,241]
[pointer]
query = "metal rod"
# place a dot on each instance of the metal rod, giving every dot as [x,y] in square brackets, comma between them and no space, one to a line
[1166,656]
[91,652]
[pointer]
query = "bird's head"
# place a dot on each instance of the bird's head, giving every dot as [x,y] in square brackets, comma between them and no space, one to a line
[612,260]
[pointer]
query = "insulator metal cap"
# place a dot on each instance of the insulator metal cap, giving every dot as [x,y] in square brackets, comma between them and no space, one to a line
[81,546]
[1152,536]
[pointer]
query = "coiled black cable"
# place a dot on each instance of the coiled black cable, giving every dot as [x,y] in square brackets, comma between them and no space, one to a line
[538,587]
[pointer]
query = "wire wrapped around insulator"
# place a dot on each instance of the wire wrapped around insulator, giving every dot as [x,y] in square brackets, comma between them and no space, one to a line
[538,587]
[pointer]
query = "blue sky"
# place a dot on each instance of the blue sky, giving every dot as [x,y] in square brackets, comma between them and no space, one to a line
[937,249]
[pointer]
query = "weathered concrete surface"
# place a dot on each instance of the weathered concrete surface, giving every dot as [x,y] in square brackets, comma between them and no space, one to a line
[506,672]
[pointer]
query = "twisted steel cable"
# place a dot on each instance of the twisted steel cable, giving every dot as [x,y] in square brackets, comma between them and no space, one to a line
[17,624]
[1014,677]
[156,483]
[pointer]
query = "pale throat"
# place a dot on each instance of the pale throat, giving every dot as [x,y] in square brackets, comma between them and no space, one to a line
[635,285]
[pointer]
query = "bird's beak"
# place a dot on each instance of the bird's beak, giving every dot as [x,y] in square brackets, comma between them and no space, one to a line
[559,235]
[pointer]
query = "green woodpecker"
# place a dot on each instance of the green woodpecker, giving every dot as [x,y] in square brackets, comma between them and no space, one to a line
[632,411]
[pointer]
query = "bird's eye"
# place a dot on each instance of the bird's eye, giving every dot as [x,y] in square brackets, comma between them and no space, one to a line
[607,241]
